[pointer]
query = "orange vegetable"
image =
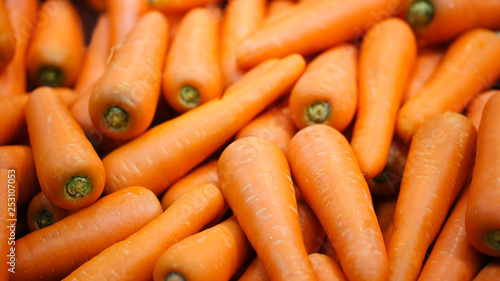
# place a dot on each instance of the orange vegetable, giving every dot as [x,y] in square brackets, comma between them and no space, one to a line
[42,213]
[178,5]
[476,107]
[123,16]
[326,268]
[8,38]
[490,272]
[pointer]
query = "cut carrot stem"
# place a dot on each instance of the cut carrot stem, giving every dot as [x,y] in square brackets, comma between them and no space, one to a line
[50,76]
[116,118]
[326,268]
[177,5]
[13,117]
[42,213]
[251,74]
[420,13]
[123,16]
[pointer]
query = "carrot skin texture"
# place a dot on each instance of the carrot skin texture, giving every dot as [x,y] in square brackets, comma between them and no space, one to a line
[338,194]
[107,221]
[8,39]
[134,258]
[177,143]
[123,15]
[178,5]
[482,216]
[440,159]
[490,272]
[326,268]
[476,107]
[251,74]
[41,212]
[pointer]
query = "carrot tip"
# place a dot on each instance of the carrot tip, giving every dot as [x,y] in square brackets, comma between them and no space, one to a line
[174,276]
[492,239]
[44,218]
[420,13]
[116,118]
[50,76]
[318,112]
[189,96]
[78,187]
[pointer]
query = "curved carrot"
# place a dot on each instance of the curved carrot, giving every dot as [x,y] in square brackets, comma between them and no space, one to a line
[8,216]
[277,7]
[476,107]
[255,179]
[251,74]
[241,17]
[97,5]
[326,268]
[327,92]
[55,251]
[42,213]
[384,209]
[177,5]
[123,16]
[464,71]
[440,159]
[482,222]
[327,173]
[182,143]
[70,173]
[386,58]
[437,21]
[192,69]
[56,51]
[8,38]
[13,117]
[134,258]
[213,254]
[123,101]
[328,23]
[452,257]
[490,272]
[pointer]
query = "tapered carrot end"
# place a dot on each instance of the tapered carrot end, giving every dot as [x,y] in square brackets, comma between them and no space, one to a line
[116,118]
[189,96]
[420,14]
[50,76]
[77,187]
[318,112]
[174,276]
[44,218]
[492,239]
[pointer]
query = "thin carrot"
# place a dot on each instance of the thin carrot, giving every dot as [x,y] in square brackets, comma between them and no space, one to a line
[177,5]
[134,258]
[384,209]
[328,23]
[97,5]
[328,175]
[70,173]
[490,272]
[464,71]
[192,69]
[56,51]
[42,213]
[476,107]
[123,16]
[241,17]
[326,268]
[182,143]
[482,222]
[251,74]
[327,93]
[440,159]
[8,38]
[58,249]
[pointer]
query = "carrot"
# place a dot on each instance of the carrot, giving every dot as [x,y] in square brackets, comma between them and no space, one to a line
[8,217]
[182,143]
[42,213]
[426,63]
[384,209]
[476,107]
[56,51]
[134,258]
[328,23]
[177,5]
[241,17]
[464,71]
[124,100]
[97,5]
[251,74]
[481,219]
[277,7]
[70,173]
[67,95]
[123,16]
[327,93]
[12,116]
[437,21]
[58,249]
[490,272]
[327,173]
[8,38]
[452,257]
[192,69]
[326,268]
[213,254]
[266,208]
[440,159]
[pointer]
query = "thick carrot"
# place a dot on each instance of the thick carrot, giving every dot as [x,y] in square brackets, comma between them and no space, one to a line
[464,71]
[123,101]
[437,21]
[56,51]
[42,213]
[327,93]
[386,59]
[476,107]
[452,257]
[326,268]
[384,209]
[134,258]
[97,5]
[482,222]
[328,175]
[328,23]
[192,68]
[177,5]
[241,17]
[8,38]
[123,15]
[53,252]
[182,143]
[255,179]
[70,173]
[490,272]
[251,74]
[440,159]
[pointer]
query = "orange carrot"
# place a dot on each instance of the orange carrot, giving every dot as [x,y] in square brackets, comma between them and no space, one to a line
[277,7]
[251,74]
[326,268]
[134,258]
[182,143]
[328,23]
[8,38]
[482,222]
[97,5]
[384,209]
[440,159]
[177,5]
[58,249]
[192,69]
[476,107]
[327,93]
[56,51]
[123,15]
[70,173]
[328,250]
[124,100]
[213,254]
[241,17]
[490,272]
[42,213]
[67,95]
[266,208]
[13,118]
[327,173]
[464,71]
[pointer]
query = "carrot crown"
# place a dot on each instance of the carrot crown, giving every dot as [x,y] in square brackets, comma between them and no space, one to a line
[50,76]
[189,96]
[492,239]
[318,112]
[420,13]
[44,218]
[77,187]
[116,118]
[174,276]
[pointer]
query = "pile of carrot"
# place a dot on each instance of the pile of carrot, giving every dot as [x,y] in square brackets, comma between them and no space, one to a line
[243,140]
